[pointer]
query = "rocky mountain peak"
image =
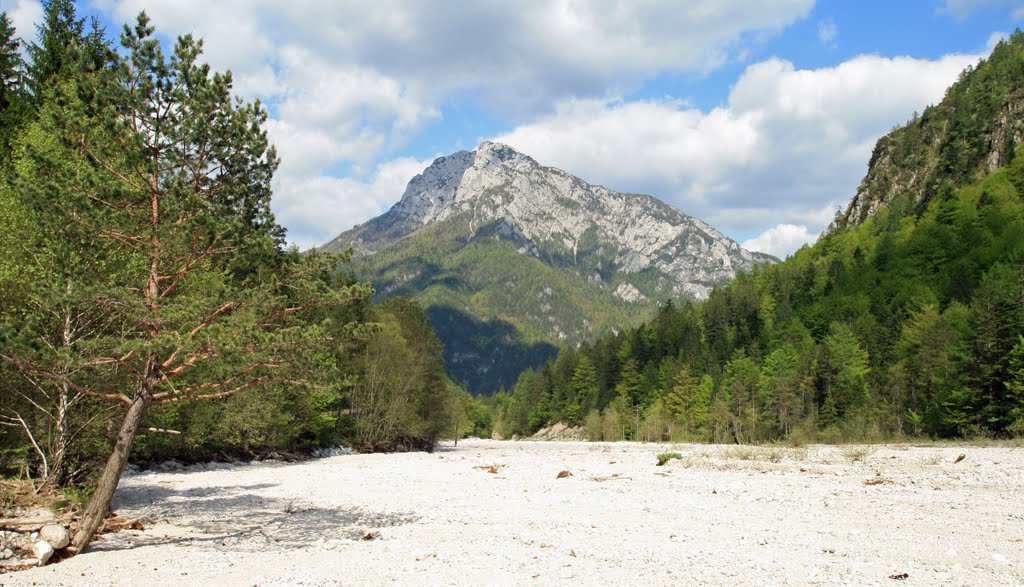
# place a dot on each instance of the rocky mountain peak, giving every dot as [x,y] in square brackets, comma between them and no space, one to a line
[551,214]
[510,258]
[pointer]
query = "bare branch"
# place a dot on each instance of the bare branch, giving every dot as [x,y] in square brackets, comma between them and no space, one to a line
[30,368]
[229,381]
[32,439]
[291,310]
[246,385]
[209,320]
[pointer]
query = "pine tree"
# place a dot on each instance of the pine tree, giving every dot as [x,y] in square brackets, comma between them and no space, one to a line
[160,185]
[741,394]
[779,387]
[1015,387]
[584,385]
[846,371]
[689,400]
[61,36]
[12,90]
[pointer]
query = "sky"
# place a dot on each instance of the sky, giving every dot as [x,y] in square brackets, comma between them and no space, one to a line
[758,117]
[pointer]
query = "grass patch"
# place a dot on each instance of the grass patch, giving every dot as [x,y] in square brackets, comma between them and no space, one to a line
[856,454]
[742,452]
[668,456]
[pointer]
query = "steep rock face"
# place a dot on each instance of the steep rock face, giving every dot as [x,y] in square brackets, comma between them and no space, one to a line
[554,215]
[975,129]
[511,258]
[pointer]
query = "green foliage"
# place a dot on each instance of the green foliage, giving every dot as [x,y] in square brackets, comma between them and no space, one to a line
[668,456]
[497,310]
[952,144]
[908,324]
[1015,387]
[140,264]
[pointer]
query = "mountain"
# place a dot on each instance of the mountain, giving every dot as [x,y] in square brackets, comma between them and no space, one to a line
[511,258]
[906,322]
[972,131]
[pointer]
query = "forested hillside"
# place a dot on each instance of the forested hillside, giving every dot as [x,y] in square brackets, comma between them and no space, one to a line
[909,323]
[512,259]
[146,294]
[974,130]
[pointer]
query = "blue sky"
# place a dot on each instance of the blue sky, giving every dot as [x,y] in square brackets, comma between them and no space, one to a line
[758,117]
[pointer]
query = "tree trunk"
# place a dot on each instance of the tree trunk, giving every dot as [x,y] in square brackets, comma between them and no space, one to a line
[62,440]
[99,503]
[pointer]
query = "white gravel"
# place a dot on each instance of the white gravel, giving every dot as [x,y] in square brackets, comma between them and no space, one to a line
[720,515]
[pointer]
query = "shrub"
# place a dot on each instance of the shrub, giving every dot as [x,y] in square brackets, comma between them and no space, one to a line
[668,456]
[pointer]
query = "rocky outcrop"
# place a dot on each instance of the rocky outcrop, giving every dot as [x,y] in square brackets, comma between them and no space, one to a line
[974,130]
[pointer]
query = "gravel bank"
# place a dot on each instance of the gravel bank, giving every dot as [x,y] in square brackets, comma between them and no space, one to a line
[491,512]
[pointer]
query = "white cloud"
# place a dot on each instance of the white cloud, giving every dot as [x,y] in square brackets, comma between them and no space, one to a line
[781,240]
[788,140]
[827,32]
[316,208]
[517,58]
[349,83]
[24,15]
[961,9]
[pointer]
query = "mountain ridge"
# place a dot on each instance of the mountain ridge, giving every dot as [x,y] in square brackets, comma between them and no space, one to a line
[637,223]
[527,257]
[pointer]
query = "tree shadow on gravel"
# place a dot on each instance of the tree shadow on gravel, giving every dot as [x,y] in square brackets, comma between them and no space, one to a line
[234,518]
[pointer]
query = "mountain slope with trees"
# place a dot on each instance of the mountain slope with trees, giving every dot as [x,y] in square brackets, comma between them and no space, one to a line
[975,129]
[512,258]
[908,322]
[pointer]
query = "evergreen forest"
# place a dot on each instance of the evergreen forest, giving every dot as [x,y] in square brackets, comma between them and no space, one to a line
[909,324]
[148,301]
[904,323]
[150,307]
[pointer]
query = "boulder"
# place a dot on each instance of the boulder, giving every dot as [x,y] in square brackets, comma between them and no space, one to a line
[55,535]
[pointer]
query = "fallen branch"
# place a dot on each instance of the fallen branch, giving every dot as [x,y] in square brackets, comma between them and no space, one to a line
[612,477]
[118,524]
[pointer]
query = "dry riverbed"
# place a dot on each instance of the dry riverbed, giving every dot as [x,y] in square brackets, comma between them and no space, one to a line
[491,512]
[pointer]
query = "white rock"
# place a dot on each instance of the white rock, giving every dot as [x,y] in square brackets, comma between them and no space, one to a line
[55,535]
[629,293]
[42,551]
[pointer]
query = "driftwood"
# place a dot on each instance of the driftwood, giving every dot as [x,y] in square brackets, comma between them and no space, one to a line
[119,524]
[28,523]
[612,477]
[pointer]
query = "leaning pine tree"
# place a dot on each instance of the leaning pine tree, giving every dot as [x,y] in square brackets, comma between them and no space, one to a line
[151,185]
